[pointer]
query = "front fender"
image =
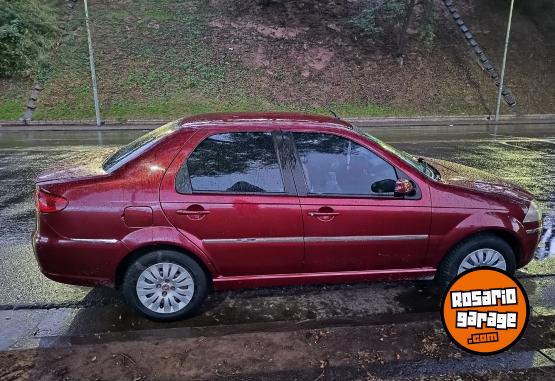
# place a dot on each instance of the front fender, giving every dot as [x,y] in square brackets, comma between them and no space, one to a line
[449,227]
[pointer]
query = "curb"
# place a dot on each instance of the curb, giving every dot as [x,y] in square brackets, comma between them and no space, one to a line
[392,122]
[451,121]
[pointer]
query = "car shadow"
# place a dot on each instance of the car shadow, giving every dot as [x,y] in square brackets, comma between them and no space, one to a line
[105,315]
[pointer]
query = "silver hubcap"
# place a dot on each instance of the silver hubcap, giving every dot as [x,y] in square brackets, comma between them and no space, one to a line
[165,288]
[483,258]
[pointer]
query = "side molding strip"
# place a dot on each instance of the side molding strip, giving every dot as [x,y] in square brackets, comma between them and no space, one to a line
[94,240]
[355,238]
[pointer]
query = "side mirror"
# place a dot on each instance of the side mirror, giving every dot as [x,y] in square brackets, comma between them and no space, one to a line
[383,186]
[404,187]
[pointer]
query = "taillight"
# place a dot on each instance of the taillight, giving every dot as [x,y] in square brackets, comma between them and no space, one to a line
[48,202]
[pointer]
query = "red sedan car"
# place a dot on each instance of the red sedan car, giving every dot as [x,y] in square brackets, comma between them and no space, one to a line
[248,200]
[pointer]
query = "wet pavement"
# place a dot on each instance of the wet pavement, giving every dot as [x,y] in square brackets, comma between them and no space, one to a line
[35,311]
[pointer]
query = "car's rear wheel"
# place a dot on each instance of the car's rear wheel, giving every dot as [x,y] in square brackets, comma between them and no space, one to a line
[165,285]
[482,250]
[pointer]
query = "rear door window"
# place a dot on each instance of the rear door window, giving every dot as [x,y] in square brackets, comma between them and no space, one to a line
[239,162]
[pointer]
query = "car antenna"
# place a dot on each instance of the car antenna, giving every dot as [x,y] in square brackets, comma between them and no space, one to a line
[333,113]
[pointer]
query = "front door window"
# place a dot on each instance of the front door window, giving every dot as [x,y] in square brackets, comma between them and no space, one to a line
[335,165]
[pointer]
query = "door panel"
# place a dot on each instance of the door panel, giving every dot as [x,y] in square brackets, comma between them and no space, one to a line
[243,235]
[364,234]
[232,196]
[351,223]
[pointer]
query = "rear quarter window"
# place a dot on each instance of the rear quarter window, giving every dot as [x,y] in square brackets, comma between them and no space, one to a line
[138,146]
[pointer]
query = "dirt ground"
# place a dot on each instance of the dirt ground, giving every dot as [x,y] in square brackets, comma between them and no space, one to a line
[410,351]
[308,52]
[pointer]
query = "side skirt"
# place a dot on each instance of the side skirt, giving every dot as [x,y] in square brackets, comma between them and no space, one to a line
[247,281]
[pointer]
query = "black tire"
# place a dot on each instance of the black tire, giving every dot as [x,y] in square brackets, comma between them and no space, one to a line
[449,267]
[132,274]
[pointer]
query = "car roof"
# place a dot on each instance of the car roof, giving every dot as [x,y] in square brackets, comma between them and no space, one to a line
[267,118]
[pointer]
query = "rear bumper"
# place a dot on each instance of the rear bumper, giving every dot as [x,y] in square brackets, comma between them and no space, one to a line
[85,262]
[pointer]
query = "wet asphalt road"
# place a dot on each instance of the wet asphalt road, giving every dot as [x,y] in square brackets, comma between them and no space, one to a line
[31,303]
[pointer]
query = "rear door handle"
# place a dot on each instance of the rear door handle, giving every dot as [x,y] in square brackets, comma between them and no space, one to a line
[186,212]
[194,212]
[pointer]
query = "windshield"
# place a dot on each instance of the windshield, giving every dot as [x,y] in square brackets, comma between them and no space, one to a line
[420,165]
[138,146]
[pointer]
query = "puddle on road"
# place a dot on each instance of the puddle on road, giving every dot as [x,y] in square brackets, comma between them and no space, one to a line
[546,247]
[378,301]
[71,138]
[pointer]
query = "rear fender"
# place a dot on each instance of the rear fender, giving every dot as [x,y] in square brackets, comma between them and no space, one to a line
[167,236]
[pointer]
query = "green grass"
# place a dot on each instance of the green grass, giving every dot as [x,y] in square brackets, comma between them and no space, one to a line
[184,104]
[357,110]
[11,109]
[14,94]
[77,104]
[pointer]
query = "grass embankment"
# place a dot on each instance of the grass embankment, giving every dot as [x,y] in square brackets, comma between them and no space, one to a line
[155,60]
[169,58]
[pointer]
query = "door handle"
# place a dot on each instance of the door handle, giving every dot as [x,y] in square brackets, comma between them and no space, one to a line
[323,214]
[186,212]
[194,212]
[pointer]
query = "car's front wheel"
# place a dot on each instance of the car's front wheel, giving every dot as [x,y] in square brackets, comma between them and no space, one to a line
[482,250]
[165,285]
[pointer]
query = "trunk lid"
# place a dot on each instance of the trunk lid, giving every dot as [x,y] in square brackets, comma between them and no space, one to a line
[79,169]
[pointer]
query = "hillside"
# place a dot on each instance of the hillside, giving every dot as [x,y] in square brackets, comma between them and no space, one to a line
[166,58]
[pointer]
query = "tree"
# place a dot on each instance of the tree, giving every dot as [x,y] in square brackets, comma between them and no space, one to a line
[389,20]
[27,31]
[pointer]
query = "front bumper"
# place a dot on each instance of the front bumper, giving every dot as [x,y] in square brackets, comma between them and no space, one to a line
[529,242]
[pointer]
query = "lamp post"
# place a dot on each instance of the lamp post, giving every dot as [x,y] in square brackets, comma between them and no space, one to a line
[93,71]
[502,79]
